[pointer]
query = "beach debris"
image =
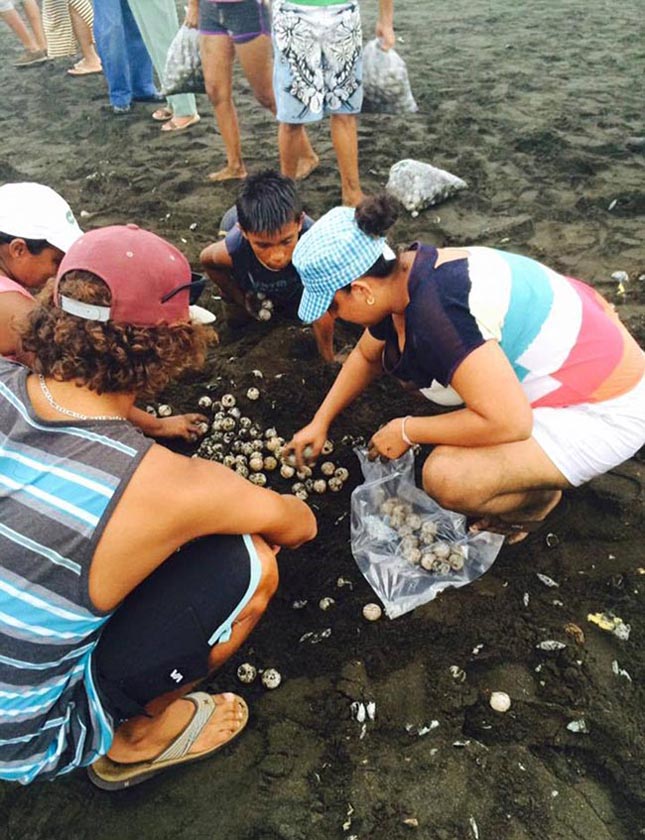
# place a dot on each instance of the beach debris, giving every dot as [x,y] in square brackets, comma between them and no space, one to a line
[552,540]
[620,277]
[192,226]
[424,729]
[371,710]
[525,599]
[473,827]
[578,726]
[612,204]
[348,822]
[246,673]
[341,582]
[271,678]
[477,649]
[500,701]
[359,712]
[550,645]
[315,638]
[611,623]
[326,603]
[457,673]
[620,672]
[299,605]
[418,185]
[372,612]
[546,580]
[164,411]
[386,85]
[411,822]
[576,633]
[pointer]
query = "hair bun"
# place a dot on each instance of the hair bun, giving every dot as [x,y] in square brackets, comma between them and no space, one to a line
[376,214]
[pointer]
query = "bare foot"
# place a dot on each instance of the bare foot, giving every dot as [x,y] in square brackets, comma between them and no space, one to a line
[516,526]
[306,166]
[228,173]
[85,68]
[161,730]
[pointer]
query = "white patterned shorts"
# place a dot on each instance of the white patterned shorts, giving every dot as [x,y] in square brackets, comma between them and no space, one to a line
[317,66]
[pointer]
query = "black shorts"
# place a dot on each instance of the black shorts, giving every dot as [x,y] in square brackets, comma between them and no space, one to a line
[242,21]
[161,636]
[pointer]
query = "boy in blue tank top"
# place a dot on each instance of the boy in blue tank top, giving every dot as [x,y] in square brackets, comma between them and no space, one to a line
[252,265]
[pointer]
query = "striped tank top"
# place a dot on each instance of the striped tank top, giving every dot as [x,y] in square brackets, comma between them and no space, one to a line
[59,485]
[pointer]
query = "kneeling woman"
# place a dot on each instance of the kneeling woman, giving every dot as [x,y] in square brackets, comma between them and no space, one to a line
[551,382]
[127,572]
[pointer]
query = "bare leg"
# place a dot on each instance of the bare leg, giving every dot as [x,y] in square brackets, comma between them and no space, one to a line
[344,136]
[505,485]
[218,53]
[290,139]
[142,738]
[32,11]
[15,22]
[85,38]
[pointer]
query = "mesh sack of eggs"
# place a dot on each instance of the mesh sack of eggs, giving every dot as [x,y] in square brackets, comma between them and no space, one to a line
[183,70]
[386,86]
[418,185]
[408,547]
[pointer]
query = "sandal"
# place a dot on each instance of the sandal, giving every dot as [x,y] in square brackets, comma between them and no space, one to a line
[162,114]
[112,775]
[171,125]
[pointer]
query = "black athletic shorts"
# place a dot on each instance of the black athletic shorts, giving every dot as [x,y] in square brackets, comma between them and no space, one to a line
[242,21]
[161,636]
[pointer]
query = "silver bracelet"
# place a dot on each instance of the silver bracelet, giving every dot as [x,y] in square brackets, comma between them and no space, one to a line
[406,439]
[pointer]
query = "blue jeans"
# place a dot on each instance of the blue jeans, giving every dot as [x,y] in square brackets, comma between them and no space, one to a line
[126,63]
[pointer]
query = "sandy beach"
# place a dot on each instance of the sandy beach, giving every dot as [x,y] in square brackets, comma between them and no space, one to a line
[539,107]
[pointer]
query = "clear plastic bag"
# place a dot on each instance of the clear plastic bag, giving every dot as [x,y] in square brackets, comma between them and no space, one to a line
[418,185]
[386,86]
[183,71]
[389,515]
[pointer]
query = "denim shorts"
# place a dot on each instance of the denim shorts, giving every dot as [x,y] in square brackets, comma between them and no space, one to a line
[317,66]
[241,20]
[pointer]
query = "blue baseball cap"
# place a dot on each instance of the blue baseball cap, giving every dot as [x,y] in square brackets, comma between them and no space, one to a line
[332,254]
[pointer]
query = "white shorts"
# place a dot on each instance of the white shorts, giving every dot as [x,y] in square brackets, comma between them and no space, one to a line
[6,5]
[587,440]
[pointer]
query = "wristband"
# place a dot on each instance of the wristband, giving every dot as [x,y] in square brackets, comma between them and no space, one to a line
[406,439]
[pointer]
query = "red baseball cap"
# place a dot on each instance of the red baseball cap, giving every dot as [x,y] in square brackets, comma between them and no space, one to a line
[148,277]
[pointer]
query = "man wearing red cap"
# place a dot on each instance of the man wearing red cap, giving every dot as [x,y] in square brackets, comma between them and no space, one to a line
[127,572]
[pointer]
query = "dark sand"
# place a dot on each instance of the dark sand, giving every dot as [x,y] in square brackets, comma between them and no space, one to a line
[533,104]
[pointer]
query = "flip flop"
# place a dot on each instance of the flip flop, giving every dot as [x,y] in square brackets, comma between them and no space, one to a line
[171,126]
[111,775]
[162,115]
[80,71]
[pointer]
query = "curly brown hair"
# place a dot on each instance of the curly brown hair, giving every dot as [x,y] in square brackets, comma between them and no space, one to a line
[103,356]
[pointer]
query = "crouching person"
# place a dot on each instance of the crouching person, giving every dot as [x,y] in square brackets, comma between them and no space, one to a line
[127,572]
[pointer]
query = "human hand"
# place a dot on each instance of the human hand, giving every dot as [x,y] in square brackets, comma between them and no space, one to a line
[385,34]
[186,426]
[192,14]
[310,438]
[388,442]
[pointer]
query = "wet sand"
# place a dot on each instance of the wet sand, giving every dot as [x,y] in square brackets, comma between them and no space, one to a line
[534,106]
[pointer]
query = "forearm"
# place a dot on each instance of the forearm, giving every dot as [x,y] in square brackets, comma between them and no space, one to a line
[466,427]
[148,423]
[386,12]
[354,377]
[323,330]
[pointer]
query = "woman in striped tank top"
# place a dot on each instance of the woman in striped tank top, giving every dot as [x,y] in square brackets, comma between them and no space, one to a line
[551,385]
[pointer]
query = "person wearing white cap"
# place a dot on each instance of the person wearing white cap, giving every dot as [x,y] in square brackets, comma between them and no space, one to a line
[37,227]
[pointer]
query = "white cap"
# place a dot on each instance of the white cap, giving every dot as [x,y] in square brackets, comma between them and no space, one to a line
[34,211]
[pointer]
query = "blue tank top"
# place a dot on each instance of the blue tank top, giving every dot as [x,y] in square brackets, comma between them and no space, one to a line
[59,484]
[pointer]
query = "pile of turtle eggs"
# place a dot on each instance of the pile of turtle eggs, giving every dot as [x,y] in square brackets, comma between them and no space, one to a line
[420,542]
[240,443]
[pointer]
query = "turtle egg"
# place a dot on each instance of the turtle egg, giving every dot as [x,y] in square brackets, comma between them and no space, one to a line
[256,462]
[327,468]
[304,472]
[270,463]
[253,394]
[229,460]
[271,432]
[309,485]
[500,701]
[408,542]
[342,473]
[151,410]
[441,551]
[456,562]
[228,400]
[246,448]
[271,678]
[444,567]
[268,304]
[245,422]
[228,424]
[228,437]
[246,673]
[372,612]
[326,603]
[202,428]
[205,401]
[327,448]
[258,478]
[235,412]
[427,561]
[320,485]
[414,521]
[412,556]
[308,453]
[264,314]
[388,505]
[287,471]
[242,469]
[335,484]
[273,444]
[429,531]
[164,411]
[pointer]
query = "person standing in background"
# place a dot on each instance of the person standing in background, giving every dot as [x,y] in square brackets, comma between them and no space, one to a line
[68,26]
[158,23]
[31,36]
[318,47]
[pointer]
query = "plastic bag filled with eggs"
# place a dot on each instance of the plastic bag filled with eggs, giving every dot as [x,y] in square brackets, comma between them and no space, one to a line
[407,546]
[386,85]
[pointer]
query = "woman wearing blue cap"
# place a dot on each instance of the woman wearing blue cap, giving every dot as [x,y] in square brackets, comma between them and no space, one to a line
[551,385]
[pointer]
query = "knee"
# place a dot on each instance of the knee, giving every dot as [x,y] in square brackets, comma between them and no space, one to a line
[266,99]
[217,95]
[444,481]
